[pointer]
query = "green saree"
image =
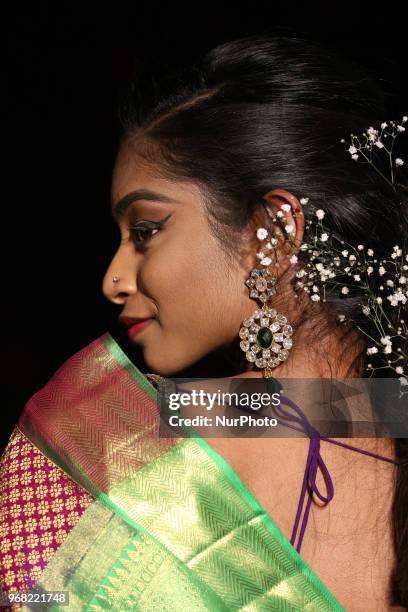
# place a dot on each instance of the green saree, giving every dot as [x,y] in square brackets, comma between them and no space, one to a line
[164,524]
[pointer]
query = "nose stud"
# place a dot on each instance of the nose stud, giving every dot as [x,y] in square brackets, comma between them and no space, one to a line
[115,279]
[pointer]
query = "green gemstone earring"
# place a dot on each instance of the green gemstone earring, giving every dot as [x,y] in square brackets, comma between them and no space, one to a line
[266,334]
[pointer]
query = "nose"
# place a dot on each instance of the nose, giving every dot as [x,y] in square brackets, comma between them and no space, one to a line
[122,268]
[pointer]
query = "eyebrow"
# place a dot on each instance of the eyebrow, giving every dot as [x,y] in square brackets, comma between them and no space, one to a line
[121,207]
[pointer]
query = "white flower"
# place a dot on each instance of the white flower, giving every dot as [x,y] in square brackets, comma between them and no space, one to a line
[387,349]
[370,270]
[356,277]
[285,207]
[360,247]
[274,242]
[390,283]
[262,233]
[319,267]
[404,119]
[400,128]
[399,370]
[381,270]
[352,149]
[366,310]
[399,162]
[293,259]
[383,125]
[397,251]
[341,318]
[344,253]
[315,297]
[355,157]
[260,255]
[345,290]
[379,144]
[370,252]
[289,228]
[378,300]
[279,214]
[304,201]
[320,213]
[315,288]
[352,258]
[266,261]
[324,237]
[402,280]
[403,381]
[398,296]
[372,350]
[385,340]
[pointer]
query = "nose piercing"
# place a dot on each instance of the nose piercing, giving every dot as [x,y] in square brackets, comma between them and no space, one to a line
[115,279]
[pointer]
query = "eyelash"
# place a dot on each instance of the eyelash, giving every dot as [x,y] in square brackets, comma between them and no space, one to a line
[147,226]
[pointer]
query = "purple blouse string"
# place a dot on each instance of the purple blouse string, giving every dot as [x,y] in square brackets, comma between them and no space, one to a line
[314,461]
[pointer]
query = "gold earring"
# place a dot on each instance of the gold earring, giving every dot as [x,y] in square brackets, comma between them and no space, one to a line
[266,334]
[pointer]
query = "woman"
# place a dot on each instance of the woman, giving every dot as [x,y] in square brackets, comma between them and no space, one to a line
[96,502]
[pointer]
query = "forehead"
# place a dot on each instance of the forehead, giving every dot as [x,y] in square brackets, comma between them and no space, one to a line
[132,173]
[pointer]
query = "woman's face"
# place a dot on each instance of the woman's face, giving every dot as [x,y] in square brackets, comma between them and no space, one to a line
[177,273]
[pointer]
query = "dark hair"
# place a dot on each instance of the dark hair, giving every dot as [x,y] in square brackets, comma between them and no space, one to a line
[262,112]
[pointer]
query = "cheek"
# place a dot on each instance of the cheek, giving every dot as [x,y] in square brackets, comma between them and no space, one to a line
[197,292]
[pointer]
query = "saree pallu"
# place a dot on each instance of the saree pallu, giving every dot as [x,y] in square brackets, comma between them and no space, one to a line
[94,502]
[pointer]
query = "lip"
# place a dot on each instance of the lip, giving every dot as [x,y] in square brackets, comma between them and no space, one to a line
[135,325]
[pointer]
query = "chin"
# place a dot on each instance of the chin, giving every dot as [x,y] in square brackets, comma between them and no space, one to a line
[164,363]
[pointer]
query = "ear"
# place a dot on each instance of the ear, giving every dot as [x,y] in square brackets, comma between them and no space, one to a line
[283,205]
[285,221]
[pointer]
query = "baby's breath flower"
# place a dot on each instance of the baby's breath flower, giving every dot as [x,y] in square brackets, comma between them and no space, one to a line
[372,350]
[324,237]
[355,157]
[356,277]
[341,318]
[344,290]
[378,300]
[315,297]
[320,213]
[285,207]
[289,228]
[366,310]
[381,270]
[369,270]
[279,214]
[370,252]
[266,261]
[399,370]
[293,259]
[262,233]
[399,162]
[304,201]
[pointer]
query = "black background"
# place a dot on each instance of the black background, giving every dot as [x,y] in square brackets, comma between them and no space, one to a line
[65,67]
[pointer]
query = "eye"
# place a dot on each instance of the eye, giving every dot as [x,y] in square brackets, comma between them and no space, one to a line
[143,231]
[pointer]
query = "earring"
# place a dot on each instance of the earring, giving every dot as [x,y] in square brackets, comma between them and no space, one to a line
[266,334]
